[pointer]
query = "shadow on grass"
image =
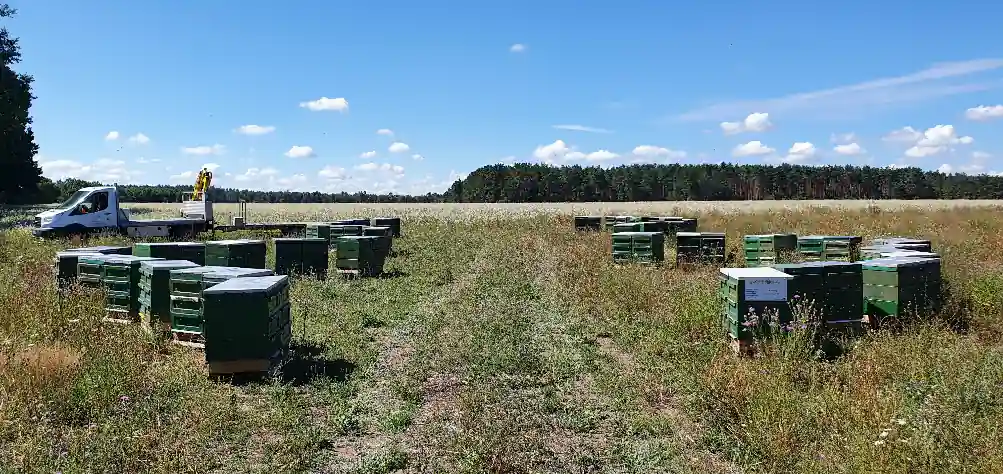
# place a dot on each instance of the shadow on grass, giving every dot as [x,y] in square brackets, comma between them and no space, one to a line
[304,364]
[392,274]
[400,253]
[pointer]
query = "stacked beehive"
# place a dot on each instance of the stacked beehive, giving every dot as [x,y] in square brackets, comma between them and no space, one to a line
[901,287]
[104,250]
[750,298]
[65,265]
[165,250]
[610,221]
[302,256]
[588,223]
[905,243]
[832,291]
[319,230]
[155,291]
[90,270]
[362,255]
[187,286]
[661,227]
[235,253]
[353,222]
[769,249]
[247,324]
[192,251]
[643,247]
[378,231]
[829,248]
[679,224]
[700,247]
[120,277]
[394,223]
[620,227]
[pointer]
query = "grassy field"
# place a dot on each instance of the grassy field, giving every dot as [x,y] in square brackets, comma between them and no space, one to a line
[509,344]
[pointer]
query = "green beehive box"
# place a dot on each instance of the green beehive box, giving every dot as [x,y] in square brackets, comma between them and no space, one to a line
[65,266]
[769,249]
[235,253]
[247,324]
[193,252]
[319,230]
[749,297]
[155,289]
[828,289]
[187,286]
[120,276]
[661,227]
[700,247]
[301,256]
[588,223]
[644,247]
[365,255]
[165,250]
[90,270]
[829,248]
[627,227]
[901,286]
[394,223]
[377,231]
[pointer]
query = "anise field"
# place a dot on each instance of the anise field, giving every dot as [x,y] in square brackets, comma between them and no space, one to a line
[503,341]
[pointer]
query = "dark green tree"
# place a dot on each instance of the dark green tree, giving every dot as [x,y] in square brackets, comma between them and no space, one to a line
[19,173]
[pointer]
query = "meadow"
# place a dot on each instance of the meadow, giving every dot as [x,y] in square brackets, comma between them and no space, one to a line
[508,343]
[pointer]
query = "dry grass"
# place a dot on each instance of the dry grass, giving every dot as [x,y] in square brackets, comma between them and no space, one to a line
[511,344]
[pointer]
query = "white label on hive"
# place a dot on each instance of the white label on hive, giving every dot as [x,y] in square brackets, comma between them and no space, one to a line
[766,289]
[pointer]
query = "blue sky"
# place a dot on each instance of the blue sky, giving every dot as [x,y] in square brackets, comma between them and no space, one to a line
[458,85]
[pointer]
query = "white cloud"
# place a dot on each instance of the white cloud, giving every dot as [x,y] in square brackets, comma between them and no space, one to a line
[399,147]
[843,138]
[298,151]
[417,157]
[753,148]
[517,48]
[800,152]
[850,149]
[103,170]
[141,160]
[210,166]
[331,172]
[339,104]
[551,152]
[385,167]
[111,136]
[755,122]
[255,129]
[182,176]
[981,155]
[368,154]
[255,173]
[202,150]
[903,135]
[936,140]
[139,139]
[582,128]
[984,112]
[883,91]
[601,155]
[651,151]
[385,131]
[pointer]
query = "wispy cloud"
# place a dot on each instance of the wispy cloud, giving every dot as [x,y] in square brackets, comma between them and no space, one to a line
[582,128]
[908,88]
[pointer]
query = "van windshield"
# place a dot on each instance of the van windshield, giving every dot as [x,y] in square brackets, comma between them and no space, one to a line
[77,196]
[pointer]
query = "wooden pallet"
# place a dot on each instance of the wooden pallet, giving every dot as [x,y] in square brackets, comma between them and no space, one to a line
[191,340]
[120,317]
[743,348]
[349,273]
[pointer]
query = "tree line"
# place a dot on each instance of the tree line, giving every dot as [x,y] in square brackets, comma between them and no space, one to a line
[714,182]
